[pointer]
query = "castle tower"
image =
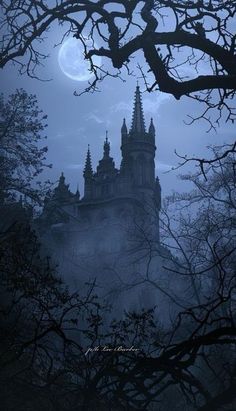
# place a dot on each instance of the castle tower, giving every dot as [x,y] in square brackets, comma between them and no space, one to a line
[138,149]
[104,178]
[106,166]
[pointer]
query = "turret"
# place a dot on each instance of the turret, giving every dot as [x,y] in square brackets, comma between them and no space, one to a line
[124,129]
[61,180]
[62,191]
[61,194]
[88,171]
[124,132]
[106,148]
[138,149]
[106,166]
[151,129]
[88,176]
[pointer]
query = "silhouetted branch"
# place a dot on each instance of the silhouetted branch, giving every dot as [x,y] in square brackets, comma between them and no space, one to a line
[193,57]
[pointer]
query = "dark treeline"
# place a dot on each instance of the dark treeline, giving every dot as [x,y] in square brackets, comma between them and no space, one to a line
[46,329]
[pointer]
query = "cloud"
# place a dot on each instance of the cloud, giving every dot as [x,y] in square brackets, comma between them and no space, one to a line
[152,104]
[163,166]
[203,68]
[122,106]
[74,166]
[94,117]
[69,133]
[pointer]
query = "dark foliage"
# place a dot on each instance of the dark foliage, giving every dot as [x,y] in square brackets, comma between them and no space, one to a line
[21,157]
[47,330]
[189,46]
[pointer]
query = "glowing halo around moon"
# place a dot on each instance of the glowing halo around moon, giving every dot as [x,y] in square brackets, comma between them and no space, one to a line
[72,63]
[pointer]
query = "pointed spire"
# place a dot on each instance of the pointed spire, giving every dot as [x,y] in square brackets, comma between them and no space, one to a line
[124,129]
[138,125]
[88,171]
[106,147]
[62,179]
[151,129]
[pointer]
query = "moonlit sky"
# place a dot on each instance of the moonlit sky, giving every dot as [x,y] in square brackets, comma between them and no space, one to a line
[75,122]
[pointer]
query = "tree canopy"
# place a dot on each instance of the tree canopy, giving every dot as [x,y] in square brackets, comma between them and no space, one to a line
[59,351]
[189,46]
[21,157]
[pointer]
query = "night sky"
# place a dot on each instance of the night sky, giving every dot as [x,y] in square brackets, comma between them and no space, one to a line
[75,122]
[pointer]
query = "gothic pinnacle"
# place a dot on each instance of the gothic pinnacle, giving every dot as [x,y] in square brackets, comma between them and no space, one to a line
[88,171]
[138,125]
[106,147]
[151,129]
[124,129]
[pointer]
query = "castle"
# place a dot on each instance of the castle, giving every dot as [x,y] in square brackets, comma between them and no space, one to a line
[98,227]
[133,183]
